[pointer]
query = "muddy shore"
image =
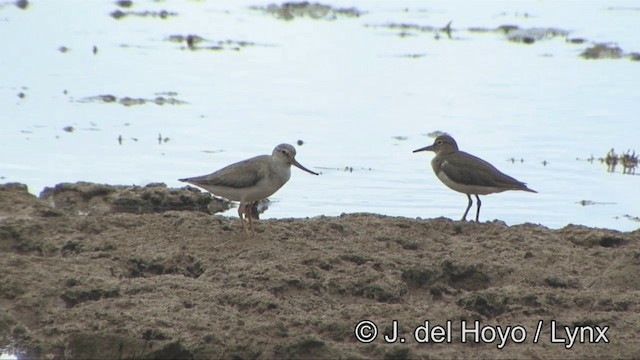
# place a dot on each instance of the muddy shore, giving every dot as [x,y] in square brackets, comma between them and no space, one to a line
[163,278]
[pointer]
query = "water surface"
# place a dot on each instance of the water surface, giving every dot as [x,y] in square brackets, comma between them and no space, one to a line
[359,94]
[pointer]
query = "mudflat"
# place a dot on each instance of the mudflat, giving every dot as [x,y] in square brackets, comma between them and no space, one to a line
[146,272]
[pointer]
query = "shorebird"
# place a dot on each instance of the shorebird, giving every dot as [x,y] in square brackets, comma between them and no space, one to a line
[468,174]
[251,180]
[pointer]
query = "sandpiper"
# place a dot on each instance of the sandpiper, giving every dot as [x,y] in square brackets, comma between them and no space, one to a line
[251,180]
[468,174]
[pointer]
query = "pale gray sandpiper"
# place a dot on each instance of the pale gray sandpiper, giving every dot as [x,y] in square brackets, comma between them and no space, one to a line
[468,174]
[252,179]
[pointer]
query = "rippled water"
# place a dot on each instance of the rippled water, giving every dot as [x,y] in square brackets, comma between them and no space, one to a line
[360,94]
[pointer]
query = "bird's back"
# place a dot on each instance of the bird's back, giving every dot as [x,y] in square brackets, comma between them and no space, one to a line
[242,174]
[463,168]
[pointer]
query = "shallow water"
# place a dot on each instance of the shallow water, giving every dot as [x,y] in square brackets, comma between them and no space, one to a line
[356,92]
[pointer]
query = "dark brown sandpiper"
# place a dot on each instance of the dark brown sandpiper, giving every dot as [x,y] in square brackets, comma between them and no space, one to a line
[468,174]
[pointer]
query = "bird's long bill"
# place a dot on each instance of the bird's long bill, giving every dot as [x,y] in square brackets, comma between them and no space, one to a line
[426,148]
[299,166]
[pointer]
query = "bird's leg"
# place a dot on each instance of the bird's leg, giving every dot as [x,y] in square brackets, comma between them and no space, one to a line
[241,212]
[249,215]
[477,203]
[464,217]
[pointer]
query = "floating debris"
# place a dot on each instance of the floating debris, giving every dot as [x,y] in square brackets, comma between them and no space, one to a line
[63,49]
[193,42]
[576,40]
[602,51]
[628,159]
[163,14]
[400,138]
[69,129]
[162,139]
[545,163]
[632,218]
[124,3]
[531,35]
[413,56]
[119,139]
[300,142]
[403,34]
[347,168]
[21,95]
[518,35]
[190,39]
[589,202]
[22,4]
[447,29]
[629,162]
[475,29]
[291,10]
[608,51]
[589,159]
[405,27]
[128,101]
[106,98]
[160,100]
[625,8]
[611,160]
[95,50]
[513,32]
[167,93]
[435,134]
[513,160]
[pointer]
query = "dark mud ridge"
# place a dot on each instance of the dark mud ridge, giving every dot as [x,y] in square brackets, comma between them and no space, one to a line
[97,271]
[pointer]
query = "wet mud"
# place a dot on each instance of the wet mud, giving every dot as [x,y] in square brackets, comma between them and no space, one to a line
[86,275]
[85,198]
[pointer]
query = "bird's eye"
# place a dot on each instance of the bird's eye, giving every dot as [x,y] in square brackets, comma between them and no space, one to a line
[283,152]
[439,142]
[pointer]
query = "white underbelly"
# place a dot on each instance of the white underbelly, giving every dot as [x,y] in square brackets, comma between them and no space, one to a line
[260,191]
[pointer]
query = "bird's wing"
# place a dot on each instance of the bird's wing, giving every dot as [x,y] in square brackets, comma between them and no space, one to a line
[239,175]
[465,168]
